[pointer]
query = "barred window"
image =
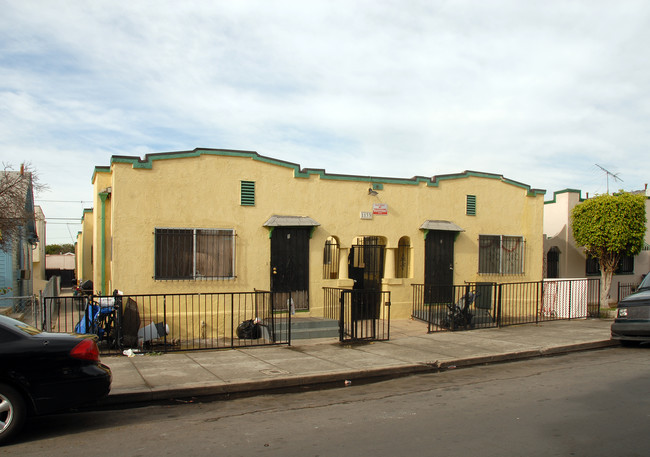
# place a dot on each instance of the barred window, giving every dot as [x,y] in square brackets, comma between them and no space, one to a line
[331,259]
[194,254]
[592,266]
[625,266]
[403,264]
[500,254]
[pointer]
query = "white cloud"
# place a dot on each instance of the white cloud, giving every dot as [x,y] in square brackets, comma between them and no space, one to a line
[536,91]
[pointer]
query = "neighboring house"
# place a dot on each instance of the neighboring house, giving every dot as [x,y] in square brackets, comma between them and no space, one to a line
[63,266]
[564,259]
[230,221]
[39,276]
[84,248]
[16,260]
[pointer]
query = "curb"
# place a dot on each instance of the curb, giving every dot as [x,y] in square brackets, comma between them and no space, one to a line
[328,380]
[523,355]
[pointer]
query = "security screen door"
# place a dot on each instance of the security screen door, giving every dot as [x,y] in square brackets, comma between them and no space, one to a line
[439,266]
[290,267]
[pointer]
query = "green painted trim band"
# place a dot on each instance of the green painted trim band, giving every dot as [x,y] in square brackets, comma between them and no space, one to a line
[147,163]
[565,191]
[99,170]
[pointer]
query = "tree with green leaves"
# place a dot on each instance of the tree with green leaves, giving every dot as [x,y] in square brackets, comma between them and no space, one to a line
[59,248]
[608,226]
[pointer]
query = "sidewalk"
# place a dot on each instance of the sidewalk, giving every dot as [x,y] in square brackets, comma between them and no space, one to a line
[147,378]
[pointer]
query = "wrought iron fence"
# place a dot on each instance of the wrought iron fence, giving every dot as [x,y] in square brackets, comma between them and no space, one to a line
[593,297]
[468,306]
[332,303]
[626,289]
[482,305]
[363,315]
[171,322]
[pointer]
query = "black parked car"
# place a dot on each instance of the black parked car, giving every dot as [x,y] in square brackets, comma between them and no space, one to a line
[45,372]
[632,323]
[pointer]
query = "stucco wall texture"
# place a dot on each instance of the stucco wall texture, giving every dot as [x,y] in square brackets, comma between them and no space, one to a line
[200,189]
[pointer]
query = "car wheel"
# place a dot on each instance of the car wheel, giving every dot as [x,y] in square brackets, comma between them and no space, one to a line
[12,412]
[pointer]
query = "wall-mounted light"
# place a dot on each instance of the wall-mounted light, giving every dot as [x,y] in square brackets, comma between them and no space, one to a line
[372,192]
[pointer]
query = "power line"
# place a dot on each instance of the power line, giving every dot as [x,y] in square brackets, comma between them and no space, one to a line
[63,201]
[62,219]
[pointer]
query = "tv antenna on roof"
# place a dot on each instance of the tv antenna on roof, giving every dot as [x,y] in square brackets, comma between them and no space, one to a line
[609,173]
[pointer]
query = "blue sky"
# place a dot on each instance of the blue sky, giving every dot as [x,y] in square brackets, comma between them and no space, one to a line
[538,91]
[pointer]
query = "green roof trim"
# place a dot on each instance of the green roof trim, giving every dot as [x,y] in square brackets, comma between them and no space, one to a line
[565,191]
[100,170]
[298,172]
[86,211]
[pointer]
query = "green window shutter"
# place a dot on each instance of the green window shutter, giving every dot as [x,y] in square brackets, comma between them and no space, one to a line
[471,205]
[248,193]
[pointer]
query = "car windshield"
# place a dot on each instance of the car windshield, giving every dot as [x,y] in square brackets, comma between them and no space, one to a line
[20,326]
[645,284]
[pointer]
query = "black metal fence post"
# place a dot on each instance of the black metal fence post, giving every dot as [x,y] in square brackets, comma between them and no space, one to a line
[341,316]
[430,310]
[87,311]
[117,307]
[499,298]
[388,305]
[539,298]
[165,319]
[232,321]
[570,298]
[44,315]
[599,297]
[289,320]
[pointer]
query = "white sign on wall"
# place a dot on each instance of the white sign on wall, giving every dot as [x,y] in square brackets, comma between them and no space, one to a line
[380,209]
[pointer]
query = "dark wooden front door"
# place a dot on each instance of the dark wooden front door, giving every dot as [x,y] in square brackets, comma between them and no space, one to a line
[439,266]
[290,267]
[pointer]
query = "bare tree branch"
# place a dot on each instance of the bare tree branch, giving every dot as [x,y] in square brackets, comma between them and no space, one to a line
[17,201]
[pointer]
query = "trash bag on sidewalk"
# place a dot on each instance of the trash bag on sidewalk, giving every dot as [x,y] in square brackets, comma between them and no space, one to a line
[130,324]
[249,330]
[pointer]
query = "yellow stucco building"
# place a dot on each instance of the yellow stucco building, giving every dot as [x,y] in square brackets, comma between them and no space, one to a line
[84,248]
[233,221]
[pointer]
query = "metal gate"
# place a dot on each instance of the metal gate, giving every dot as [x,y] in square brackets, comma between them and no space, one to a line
[364,315]
[366,264]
